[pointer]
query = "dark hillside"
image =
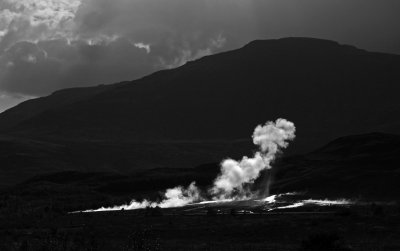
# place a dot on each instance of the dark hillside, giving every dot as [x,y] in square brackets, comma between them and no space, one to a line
[359,166]
[327,89]
[205,110]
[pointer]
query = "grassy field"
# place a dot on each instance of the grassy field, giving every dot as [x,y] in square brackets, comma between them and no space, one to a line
[361,228]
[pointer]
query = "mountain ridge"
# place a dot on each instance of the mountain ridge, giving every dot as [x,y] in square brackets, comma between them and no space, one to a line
[267,65]
[189,115]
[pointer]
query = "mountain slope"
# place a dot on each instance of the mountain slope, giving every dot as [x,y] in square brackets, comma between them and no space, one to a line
[34,107]
[326,88]
[365,166]
[205,110]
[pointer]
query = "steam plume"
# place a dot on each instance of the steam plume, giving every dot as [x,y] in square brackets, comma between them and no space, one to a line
[179,196]
[236,174]
[174,197]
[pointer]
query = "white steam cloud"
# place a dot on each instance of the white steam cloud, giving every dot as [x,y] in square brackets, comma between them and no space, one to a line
[174,197]
[235,176]
[143,46]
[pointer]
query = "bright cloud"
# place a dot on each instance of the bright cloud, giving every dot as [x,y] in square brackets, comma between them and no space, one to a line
[143,46]
[30,20]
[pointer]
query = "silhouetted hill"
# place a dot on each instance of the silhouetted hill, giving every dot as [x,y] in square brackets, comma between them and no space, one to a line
[23,158]
[365,166]
[33,107]
[205,110]
[327,89]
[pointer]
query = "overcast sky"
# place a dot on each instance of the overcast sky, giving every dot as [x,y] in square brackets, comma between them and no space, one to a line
[46,45]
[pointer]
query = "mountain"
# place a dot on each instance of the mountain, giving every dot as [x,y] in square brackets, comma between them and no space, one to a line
[207,109]
[326,88]
[22,158]
[358,166]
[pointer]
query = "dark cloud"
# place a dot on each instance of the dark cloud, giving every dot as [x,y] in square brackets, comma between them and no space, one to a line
[51,65]
[369,24]
[53,44]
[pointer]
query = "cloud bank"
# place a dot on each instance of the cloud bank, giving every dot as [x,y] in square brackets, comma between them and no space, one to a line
[52,44]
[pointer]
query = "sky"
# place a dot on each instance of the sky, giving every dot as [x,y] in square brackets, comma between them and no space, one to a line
[47,45]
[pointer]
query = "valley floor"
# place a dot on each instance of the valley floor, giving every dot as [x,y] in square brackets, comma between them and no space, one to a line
[343,229]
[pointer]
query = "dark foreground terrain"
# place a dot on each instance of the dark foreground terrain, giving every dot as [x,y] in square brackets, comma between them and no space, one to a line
[372,228]
[34,214]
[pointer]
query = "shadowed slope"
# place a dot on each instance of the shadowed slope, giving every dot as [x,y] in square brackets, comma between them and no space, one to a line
[205,110]
[327,89]
[364,166]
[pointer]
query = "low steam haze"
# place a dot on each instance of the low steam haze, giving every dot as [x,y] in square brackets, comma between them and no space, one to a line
[53,44]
